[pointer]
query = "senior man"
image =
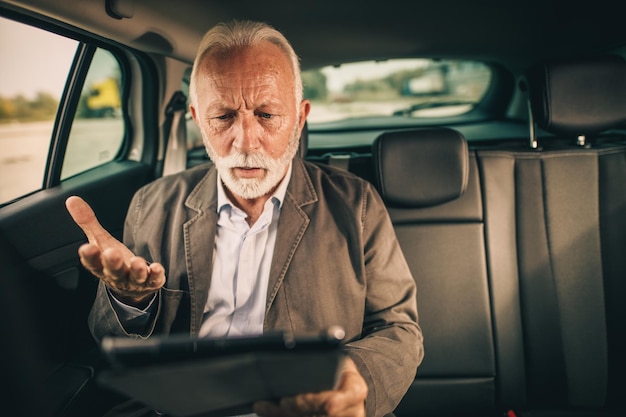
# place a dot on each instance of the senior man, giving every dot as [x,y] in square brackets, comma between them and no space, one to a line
[260,239]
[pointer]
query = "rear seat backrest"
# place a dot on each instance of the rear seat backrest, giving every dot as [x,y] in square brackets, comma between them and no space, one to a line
[569,214]
[430,186]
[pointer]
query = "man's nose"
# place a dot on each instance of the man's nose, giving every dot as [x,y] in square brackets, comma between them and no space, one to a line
[248,135]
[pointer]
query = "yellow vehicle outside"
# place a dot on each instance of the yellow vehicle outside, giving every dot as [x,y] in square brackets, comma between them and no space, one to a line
[104,98]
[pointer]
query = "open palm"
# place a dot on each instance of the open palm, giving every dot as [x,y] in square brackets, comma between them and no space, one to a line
[130,277]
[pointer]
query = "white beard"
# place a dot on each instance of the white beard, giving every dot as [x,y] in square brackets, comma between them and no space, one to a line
[250,188]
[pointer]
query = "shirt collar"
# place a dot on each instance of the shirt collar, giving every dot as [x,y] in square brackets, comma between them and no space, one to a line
[278,196]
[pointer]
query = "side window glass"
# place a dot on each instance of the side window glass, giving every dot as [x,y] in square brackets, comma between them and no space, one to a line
[98,129]
[33,77]
[35,66]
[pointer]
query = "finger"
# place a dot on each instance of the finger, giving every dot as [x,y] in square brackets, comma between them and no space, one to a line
[145,274]
[85,218]
[350,395]
[89,255]
[139,270]
[156,276]
[148,276]
[115,269]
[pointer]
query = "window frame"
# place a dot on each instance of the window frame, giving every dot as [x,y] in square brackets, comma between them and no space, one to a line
[131,61]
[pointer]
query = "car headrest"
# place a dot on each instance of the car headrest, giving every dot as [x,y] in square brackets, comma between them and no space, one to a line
[578,96]
[304,140]
[421,167]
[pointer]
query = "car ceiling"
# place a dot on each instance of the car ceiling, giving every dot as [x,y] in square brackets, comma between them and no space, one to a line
[515,33]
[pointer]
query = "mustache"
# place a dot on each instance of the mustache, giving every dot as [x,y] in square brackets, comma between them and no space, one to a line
[246,160]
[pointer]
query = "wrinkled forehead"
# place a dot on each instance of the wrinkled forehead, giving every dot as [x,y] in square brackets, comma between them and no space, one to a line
[264,62]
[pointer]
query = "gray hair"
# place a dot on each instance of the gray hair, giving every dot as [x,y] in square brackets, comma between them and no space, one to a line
[227,37]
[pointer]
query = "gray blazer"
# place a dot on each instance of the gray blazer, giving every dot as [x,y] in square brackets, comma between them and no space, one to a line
[336,262]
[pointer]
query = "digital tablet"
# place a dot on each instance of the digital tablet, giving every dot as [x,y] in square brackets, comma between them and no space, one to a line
[210,377]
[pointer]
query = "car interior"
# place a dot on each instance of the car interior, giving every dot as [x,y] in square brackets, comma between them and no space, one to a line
[500,155]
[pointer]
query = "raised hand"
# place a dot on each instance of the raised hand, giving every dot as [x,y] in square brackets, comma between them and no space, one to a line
[130,278]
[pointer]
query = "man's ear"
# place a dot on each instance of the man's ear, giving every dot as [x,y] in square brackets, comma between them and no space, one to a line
[192,110]
[305,108]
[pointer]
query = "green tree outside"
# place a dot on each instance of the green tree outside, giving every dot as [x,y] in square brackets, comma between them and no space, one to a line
[21,109]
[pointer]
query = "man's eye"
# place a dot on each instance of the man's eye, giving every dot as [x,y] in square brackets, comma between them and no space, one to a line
[265,115]
[226,116]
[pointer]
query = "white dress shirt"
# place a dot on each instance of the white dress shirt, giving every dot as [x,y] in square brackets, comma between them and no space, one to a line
[241,266]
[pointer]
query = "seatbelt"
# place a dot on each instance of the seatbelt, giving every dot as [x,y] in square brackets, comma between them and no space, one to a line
[340,161]
[174,136]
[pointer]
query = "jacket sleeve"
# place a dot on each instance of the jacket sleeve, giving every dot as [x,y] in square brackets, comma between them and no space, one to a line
[103,319]
[391,347]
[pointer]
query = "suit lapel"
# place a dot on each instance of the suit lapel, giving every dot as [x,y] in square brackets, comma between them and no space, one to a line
[292,224]
[199,233]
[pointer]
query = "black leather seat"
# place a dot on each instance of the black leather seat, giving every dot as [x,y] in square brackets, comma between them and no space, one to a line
[562,207]
[430,185]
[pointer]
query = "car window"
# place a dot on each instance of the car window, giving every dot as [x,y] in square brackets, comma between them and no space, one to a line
[31,84]
[33,79]
[98,128]
[396,87]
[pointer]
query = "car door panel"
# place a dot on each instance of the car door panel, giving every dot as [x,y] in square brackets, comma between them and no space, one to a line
[41,239]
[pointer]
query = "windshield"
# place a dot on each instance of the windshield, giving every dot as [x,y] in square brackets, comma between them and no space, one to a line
[407,87]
